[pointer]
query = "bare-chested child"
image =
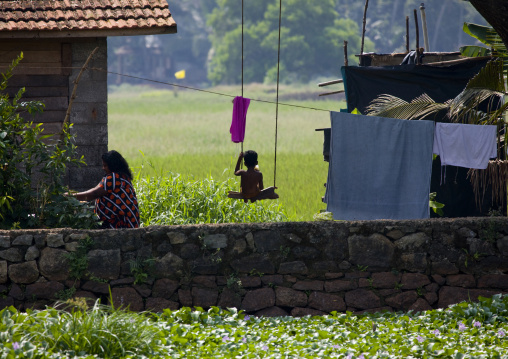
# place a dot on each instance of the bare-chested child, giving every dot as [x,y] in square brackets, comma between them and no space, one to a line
[251,182]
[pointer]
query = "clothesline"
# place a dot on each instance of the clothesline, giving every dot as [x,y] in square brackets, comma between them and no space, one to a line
[177,85]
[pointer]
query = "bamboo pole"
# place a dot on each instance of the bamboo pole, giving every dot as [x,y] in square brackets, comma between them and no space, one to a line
[417,38]
[407,34]
[424,27]
[345,53]
[363,29]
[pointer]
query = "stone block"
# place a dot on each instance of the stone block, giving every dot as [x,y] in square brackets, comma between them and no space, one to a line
[461,280]
[413,262]
[164,288]
[157,305]
[16,292]
[271,312]
[5,241]
[287,297]
[385,279]
[32,253]
[240,246]
[267,241]
[444,267]
[3,272]
[258,299]
[498,281]
[339,285]
[55,240]
[256,262]
[185,297]
[303,312]
[205,281]
[204,297]
[54,264]
[215,241]
[502,245]
[402,301]
[305,252]
[169,266]
[326,302]
[104,264]
[362,299]
[46,290]
[127,298]
[314,285]
[12,255]
[229,299]
[296,267]
[250,282]
[415,242]
[414,280]
[275,279]
[23,240]
[374,251]
[96,287]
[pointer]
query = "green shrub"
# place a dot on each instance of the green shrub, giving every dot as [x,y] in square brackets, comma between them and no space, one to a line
[26,199]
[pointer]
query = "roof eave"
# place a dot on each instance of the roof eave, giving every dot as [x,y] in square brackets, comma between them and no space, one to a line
[87,33]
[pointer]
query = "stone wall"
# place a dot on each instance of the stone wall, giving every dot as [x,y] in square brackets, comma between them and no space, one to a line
[265,269]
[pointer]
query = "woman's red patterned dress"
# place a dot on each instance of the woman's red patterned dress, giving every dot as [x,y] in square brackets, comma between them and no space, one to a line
[119,208]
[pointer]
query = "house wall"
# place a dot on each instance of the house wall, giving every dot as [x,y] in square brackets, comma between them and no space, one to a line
[47,72]
[263,268]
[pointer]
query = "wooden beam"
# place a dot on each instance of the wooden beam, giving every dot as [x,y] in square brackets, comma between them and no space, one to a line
[331,93]
[339,81]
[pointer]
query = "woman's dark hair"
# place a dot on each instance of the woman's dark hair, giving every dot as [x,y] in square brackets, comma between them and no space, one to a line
[250,158]
[116,163]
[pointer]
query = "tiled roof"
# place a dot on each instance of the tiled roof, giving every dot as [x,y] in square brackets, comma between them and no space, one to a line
[68,18]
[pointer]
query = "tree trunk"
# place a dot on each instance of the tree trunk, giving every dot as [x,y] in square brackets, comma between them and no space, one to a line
[496,14]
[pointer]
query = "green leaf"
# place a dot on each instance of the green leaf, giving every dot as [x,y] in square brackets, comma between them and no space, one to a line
[474,51]
[479,32]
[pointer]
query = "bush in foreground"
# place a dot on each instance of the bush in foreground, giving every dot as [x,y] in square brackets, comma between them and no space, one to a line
[465,330]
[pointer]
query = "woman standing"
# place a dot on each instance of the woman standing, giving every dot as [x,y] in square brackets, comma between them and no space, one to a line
[116,204]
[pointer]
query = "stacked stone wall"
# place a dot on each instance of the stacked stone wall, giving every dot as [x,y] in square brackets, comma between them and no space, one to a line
[270,269]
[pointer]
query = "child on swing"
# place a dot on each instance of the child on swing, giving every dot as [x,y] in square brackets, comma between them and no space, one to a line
[251,182]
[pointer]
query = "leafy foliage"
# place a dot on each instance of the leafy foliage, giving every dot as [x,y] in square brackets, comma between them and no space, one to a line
[171,199]
[465,330]
[308,30]
[33,166]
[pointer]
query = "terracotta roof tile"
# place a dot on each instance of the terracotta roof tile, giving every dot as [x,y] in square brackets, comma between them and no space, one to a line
[76,15]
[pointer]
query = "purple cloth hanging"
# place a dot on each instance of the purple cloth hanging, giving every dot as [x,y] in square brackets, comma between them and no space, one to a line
[237,129]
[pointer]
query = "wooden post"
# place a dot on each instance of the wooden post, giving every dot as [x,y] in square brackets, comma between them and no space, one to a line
[363,29]
[417,39]
[407,34]
[345,53]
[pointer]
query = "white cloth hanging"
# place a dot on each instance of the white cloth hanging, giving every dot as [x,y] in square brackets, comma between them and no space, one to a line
[464,145]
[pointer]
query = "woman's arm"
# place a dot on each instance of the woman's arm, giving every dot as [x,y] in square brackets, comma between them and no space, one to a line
[91,194]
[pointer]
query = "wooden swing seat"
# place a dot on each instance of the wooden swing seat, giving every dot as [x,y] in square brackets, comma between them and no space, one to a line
[267,193]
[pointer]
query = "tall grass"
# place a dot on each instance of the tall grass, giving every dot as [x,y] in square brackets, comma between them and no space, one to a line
[169,199]
[188,134]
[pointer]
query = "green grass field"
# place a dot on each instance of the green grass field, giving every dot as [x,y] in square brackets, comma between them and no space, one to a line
[187,132]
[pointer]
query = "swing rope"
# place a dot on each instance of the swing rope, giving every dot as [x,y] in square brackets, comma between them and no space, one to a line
[242,66]
[277,99]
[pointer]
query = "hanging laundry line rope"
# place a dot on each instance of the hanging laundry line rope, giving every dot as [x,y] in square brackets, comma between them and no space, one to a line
[176,85]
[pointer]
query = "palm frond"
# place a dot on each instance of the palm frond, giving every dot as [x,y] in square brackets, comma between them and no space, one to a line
[394,107]
[490,77]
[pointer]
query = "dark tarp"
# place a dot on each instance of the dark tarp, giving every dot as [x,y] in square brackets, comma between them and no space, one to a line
[364,84]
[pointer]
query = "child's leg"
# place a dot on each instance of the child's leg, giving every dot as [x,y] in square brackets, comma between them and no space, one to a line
[267,193]
[235,195]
